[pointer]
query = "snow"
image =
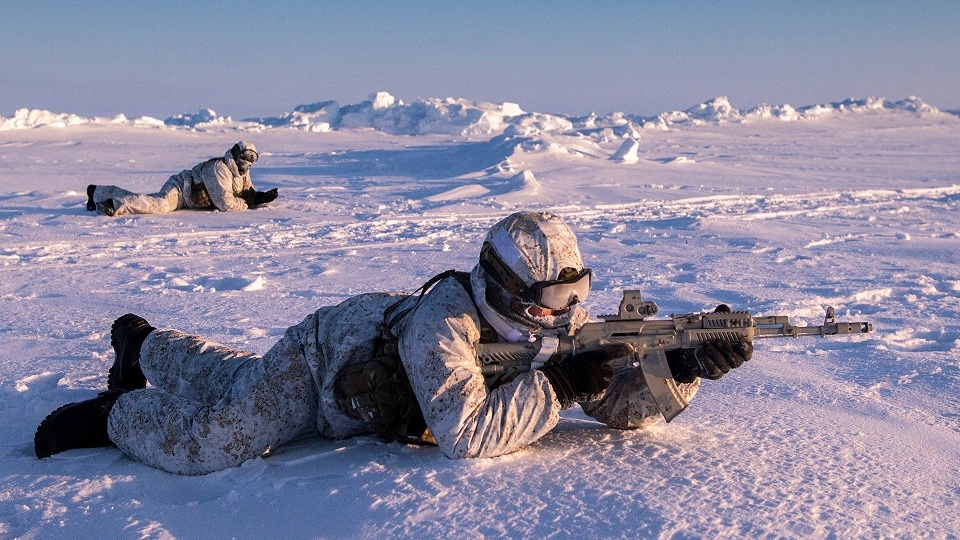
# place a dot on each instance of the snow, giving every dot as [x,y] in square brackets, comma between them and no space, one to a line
[776,209]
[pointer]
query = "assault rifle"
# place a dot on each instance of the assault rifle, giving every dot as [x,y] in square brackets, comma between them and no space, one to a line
[650,339]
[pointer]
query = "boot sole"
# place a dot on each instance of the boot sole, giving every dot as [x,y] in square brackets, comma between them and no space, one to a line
[49,443]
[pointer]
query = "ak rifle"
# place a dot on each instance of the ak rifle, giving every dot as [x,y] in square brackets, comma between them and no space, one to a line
[650,340]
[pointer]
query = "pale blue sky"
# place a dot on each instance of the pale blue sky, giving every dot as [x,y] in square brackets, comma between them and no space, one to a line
[159,58]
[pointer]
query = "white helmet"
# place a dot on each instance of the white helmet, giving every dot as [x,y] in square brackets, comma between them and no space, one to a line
[532,259]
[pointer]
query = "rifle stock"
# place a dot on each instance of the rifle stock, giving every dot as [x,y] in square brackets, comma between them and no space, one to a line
[650,340]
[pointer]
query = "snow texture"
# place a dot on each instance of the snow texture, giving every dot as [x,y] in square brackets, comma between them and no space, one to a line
[779,210]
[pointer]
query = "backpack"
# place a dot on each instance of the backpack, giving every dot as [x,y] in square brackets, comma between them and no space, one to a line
[378,391]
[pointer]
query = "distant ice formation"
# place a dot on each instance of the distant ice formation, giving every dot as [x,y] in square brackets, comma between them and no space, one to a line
[461,117]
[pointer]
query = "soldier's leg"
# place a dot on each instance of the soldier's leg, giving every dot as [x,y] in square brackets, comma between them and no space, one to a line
[192,367]
[238,406]
[198,369]
[102,193]
[167,199]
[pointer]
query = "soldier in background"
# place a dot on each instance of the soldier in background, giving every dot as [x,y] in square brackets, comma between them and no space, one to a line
[216,184]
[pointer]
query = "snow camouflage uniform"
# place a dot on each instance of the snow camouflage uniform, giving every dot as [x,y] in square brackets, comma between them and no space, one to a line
[213,184]
[212,407]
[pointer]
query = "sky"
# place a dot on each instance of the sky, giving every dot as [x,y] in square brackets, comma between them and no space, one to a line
[256,59]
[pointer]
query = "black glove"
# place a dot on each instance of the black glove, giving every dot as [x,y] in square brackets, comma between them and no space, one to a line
[711,359]
[249,196]
[683,365]
[263,197]
[584,377]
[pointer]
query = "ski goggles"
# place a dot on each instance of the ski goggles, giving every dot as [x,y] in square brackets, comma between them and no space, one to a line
[561,293]
[248,155]
[554,294]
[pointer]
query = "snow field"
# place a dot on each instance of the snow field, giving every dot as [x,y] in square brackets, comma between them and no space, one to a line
[835,438]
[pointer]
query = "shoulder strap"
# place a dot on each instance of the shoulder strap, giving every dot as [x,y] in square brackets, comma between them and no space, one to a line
[392,317]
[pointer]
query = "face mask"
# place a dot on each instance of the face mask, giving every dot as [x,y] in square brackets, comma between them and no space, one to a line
[551,321]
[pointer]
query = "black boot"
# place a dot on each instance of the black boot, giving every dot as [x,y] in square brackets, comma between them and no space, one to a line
[91,206]
[76,425]
[127,336]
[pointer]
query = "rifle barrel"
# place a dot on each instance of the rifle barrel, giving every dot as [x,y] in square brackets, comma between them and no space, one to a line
[832,329]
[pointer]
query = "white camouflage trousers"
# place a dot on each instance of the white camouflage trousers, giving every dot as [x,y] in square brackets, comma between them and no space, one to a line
[168,199]
[211,407]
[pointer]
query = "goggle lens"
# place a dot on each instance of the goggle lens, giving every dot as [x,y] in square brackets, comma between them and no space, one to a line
[563,293]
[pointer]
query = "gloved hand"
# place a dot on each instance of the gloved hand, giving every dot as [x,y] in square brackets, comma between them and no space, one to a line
[255,198]
[249,196]
[584,377]
[711,359]
[263,197]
